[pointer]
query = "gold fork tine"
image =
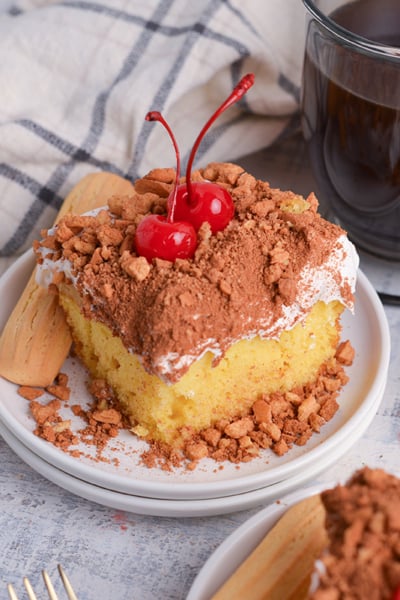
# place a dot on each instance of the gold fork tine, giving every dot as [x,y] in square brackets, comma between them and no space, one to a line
[11,592]
[49,586]
[68,588]
[28,587]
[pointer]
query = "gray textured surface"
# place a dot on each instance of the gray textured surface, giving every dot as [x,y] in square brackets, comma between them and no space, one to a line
[107,553]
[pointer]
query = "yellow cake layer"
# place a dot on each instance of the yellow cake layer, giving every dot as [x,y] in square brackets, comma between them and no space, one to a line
[205,394]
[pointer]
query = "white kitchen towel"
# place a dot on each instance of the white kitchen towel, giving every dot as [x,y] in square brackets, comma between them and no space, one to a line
[77,78]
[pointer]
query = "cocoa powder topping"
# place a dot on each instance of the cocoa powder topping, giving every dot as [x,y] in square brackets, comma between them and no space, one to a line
[243,275]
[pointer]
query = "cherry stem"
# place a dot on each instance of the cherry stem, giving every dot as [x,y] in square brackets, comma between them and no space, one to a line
[238,92]
[154,115]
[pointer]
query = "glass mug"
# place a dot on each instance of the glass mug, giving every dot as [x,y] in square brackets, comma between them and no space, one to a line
[351,116]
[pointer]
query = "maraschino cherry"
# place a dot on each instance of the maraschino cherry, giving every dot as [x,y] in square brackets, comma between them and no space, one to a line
[198,202]
[158,237]
[190,204]
[163,237]
[396,595]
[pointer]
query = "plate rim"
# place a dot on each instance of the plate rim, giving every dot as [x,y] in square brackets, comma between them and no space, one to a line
[155,506]
[215,488]
[160,507]
[255,525]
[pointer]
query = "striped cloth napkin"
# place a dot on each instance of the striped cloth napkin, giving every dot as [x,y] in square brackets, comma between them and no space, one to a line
[77,78]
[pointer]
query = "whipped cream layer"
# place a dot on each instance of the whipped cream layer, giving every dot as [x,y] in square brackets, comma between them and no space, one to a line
[258,277]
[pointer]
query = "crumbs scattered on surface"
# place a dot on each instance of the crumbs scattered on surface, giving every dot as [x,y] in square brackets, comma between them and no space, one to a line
[277,422]
[49,424]
[102,420]
[30,393]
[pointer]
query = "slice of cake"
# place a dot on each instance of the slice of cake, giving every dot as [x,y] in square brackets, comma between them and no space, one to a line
[363,525]
[242,336]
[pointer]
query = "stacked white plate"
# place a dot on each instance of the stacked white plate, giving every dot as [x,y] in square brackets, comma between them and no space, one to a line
[120,481]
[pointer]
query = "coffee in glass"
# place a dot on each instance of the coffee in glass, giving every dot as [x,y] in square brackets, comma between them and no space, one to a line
[351,116]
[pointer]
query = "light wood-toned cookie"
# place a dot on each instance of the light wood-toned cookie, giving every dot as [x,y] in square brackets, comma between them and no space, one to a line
[280,567]
[36,339]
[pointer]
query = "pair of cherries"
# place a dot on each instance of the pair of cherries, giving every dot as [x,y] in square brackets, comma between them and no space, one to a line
[190,204]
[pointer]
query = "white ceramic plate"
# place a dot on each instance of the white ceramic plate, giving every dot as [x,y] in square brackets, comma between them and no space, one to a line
[236,547]
[171,508]
[121,469]
[158,506]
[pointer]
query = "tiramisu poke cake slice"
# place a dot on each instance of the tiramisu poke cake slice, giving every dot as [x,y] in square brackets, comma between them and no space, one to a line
[363,525]
[209,304]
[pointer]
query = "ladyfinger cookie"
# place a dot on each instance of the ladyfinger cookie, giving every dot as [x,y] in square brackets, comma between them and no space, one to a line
[36,338]
[281,565]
